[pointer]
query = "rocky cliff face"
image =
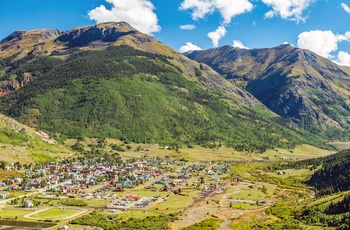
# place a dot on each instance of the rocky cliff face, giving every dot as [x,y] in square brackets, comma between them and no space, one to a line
[99,33]
[295,83]
[22,43]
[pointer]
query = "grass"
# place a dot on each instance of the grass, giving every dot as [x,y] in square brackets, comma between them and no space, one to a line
[4,174]
[13,213]
[135,214]
[173,204]
[55,214]
[243,206]
[300,152]
[250,194]
[41,158]
[327,199]
[199,153]
[97,202]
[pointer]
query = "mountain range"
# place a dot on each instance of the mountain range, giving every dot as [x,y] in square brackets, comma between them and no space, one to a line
[110,80]
[297,84]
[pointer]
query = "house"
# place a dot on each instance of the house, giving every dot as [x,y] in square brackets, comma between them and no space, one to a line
[27,204]
[4,195]
[215,178]
[108,186]
[133,197]
[54,168]
[119,189]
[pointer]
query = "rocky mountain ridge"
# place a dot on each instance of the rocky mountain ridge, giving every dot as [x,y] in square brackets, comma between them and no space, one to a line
[109,80]
[59,44]
[294,83]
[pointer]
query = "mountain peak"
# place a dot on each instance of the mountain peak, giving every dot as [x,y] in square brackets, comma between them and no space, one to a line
[40,35]
[103,32]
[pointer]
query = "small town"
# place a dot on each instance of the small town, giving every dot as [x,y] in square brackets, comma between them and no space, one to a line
[56,192]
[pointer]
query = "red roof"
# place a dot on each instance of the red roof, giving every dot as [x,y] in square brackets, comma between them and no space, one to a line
[133,197]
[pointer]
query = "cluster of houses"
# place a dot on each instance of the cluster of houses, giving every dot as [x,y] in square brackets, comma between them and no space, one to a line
[73,179]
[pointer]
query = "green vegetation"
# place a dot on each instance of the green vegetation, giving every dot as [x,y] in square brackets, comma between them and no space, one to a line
[9,136]
[208,224]
[41,158]
[71,202]
[55,214]
[13,213]
[131,95]
[332,177]
[19,143]
[105,222]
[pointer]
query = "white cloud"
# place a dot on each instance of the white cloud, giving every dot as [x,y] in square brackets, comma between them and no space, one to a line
[345,7]
[188,47]
[239,44]
[343,58]
[321,42]
[216,35]
[188,27]
[288,9]
[227,8]
[200,7]
[138,13]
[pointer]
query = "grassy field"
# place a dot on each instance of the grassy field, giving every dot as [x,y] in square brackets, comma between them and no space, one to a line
[243,206]
[136,214]
[250,194]
[341,145]
[174,203]
[14,213]
[199,153]
[55,214]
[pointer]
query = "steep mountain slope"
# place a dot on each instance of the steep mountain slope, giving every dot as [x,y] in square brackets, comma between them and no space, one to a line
[19,143]
[294,83]
[29,44]
[89,83]
[332,177]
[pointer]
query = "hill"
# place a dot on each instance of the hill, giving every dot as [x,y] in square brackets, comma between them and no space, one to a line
[19,143]
[110,80]
[295,83]
[332,177]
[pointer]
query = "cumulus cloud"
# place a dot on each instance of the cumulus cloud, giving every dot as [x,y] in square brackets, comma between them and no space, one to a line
[200,7]
[188,47]
[321,42]
[227,8]
[188,27]
[288,9]
[139,13]
[216,35]
[239,44]
[343,58]
[345,7]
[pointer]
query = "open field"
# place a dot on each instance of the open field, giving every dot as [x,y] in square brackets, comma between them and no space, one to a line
[199,153]
[341,145]
[56,214]
[14,213]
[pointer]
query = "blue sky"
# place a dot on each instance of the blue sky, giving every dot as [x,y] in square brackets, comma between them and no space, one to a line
[321,26]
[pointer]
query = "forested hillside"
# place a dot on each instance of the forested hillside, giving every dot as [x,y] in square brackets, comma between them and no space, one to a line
[333,176]
[137,96]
